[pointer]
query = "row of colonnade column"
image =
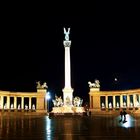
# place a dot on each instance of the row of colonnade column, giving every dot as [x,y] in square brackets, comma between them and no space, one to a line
[15,106]
[136,101]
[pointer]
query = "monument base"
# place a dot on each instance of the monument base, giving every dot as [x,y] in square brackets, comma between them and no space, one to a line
[67,111]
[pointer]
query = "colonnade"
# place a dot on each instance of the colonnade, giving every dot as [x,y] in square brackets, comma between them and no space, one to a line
[120,101]
[14,102]
[23,100]
[114,99]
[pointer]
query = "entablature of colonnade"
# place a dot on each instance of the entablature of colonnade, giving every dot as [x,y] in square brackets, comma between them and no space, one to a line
[118,92]
[41,93]
[11,93]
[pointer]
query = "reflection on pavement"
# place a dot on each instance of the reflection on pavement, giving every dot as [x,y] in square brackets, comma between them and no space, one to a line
[130,121]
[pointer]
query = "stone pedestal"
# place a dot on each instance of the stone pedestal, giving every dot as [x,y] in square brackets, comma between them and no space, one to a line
[67,96]
[68,109]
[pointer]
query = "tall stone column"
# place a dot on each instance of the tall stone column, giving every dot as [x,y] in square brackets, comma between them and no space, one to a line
[67,91]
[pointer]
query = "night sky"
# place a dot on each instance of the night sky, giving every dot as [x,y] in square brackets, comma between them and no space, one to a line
[104,46]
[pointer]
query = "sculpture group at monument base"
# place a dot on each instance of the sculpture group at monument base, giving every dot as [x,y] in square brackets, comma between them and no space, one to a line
[67,110]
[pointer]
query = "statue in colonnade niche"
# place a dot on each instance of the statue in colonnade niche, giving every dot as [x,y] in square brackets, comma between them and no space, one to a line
[26,107]
[19,107]
[33,107]
[110,105]
[12,106]
[124,104]
[5,106]
[117,105]
[103,105]
[131,104]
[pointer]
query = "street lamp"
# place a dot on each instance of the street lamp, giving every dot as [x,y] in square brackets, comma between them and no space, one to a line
[48,97]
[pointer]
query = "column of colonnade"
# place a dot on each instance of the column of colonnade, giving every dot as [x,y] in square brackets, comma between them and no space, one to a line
[1,101]
[106,101]
[15,102]
[8,102]
[22,102]
[114,101]
[121,100]
[134,100]
[29,102]
[128,100]
[139,99]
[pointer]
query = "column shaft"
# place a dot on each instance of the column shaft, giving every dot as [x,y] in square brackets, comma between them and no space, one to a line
[15,102]
[1,102]
[22,102]
[8,102]
[67,68]
[134,100]
[30,103]
[114,101]
[121,100]
[128,100]
[106,101]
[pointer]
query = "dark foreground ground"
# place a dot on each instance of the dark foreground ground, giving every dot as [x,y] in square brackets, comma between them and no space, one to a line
[41,127]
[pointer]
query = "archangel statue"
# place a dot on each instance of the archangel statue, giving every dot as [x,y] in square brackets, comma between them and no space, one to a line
[67,34]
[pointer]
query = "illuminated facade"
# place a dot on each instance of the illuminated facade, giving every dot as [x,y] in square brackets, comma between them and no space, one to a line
[114,100]
[23,101]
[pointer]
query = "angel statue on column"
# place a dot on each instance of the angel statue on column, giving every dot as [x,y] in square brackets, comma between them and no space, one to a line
[67,34]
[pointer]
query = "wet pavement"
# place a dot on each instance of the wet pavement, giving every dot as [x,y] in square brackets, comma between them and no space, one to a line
[41,127]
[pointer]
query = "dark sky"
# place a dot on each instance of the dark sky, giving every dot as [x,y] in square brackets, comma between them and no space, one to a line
[105,45]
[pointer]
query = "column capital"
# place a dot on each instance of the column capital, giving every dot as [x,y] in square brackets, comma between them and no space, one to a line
[67,43]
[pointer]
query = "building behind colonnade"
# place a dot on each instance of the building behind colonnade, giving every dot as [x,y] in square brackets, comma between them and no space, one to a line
[113,100]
